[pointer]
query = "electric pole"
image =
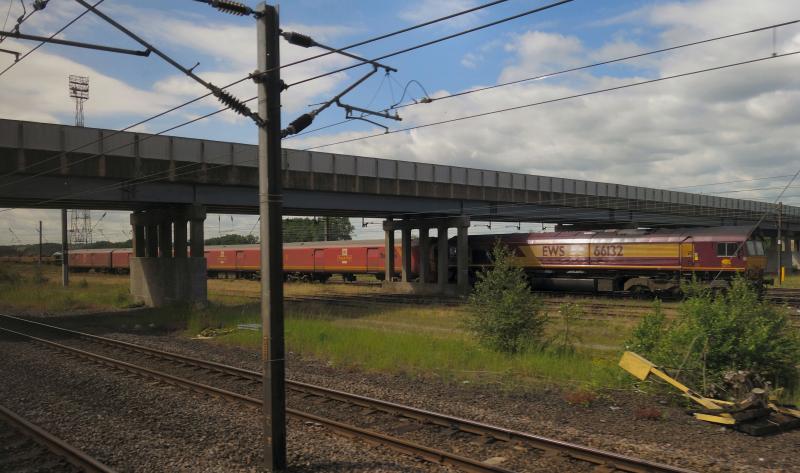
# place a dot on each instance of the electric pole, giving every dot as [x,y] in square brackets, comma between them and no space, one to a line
[780,244]
[40,242]
[64,249]
[270,202]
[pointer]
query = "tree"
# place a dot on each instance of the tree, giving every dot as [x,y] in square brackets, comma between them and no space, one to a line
[503,313]
[307,229]
[232,239]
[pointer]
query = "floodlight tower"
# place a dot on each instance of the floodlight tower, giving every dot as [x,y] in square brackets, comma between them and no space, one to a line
[81,222]
[79,90]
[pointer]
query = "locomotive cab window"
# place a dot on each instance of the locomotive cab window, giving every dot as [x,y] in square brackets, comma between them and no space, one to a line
[727,249]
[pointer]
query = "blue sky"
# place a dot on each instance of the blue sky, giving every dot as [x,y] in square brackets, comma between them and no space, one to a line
[736,124]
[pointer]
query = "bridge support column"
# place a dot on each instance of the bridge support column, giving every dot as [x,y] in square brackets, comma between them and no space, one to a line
[160,277]
[388,253]
[462,259]
[181,244]
[165,238]
[138,241]
[151,241]
[442,272]
[406,253]
[425,282]
[424,255]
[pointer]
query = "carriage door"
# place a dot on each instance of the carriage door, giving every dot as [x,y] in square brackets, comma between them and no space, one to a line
[240,261]
[687,253]
[375,260]
[319,261]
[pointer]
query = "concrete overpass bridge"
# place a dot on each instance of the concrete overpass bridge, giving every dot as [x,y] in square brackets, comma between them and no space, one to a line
[55,166]
[165,180]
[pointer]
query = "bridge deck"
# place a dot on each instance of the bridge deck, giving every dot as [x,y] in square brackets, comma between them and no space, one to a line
[103,169]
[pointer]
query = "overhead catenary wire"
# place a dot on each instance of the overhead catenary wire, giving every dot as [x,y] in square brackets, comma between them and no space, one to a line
[250,76]
[560,99]
[434,41]
[42,43]
[37,6]
[395,33]
[569,70]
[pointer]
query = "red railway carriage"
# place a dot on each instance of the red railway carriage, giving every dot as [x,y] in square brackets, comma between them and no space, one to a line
[348,258]
[308,260]
[121,260]
[101,260]
[85,260]
[629,260]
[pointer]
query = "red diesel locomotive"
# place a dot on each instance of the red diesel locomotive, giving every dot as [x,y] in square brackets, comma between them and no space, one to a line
[629,260]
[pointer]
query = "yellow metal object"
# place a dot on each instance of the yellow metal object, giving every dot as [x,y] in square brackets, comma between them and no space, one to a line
[641,368]
[746,414]
[725,419]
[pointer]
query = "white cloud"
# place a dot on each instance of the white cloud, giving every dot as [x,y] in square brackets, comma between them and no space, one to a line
[473,59]
[538,52]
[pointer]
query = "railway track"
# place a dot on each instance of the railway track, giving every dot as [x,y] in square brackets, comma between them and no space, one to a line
[787,296]
[26,447]
[402,428]
[594,309]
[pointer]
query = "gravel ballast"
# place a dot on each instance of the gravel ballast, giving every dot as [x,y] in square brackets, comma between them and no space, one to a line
[608,423]
[137,425]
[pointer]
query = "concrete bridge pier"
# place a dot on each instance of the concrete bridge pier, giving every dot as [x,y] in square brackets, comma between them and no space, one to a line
[162,270]
[425,280]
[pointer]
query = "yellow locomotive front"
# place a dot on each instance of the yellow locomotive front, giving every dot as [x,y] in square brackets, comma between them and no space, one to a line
[755,261]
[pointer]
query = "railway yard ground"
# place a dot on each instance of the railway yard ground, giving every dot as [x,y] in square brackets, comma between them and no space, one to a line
[352,338]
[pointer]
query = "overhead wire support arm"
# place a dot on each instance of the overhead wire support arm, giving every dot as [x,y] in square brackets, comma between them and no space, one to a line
[351,108]
[8,51]
[99,47]
[306,41]
[304,120]
[223,96]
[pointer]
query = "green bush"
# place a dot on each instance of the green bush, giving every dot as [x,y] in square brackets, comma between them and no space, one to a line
[503,313]
[720,333]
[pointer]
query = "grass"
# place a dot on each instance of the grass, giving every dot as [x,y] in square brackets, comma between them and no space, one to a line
[24,287]
[792,281]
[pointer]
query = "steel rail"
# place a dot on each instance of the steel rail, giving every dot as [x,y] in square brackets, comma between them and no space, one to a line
[397,444]
[578,452]
[59,447]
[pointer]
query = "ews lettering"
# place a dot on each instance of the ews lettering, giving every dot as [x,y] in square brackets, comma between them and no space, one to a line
[553,250]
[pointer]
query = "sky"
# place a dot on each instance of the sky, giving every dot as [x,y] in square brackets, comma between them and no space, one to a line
[696,133]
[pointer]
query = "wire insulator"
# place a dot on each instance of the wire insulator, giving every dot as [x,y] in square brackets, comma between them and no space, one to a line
[301,123]
[298,39]
[229,6]
[233,103]
[40,4]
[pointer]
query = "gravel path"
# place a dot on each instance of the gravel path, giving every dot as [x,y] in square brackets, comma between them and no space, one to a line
[136,425]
